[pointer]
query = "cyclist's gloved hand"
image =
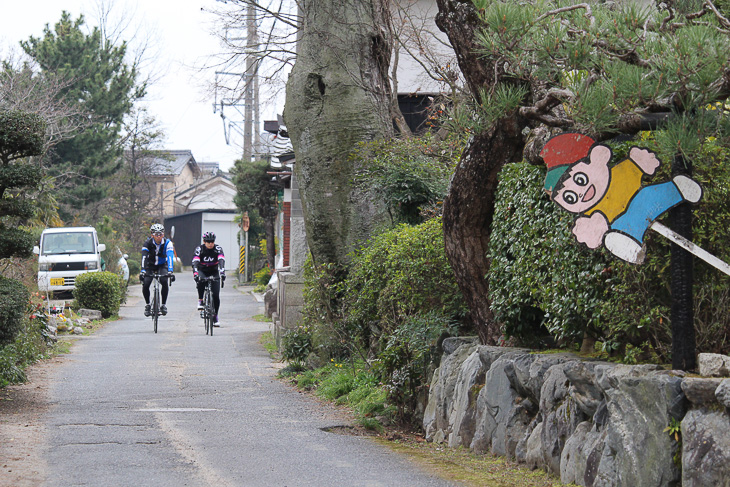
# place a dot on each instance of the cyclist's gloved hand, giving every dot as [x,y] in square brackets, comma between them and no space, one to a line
[223,277]
[141,277]
[172,277]
[196,277]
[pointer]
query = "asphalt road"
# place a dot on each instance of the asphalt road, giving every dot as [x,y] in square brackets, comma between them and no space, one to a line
[178,408]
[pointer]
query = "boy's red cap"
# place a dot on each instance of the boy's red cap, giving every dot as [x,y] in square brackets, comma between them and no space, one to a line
[560,152]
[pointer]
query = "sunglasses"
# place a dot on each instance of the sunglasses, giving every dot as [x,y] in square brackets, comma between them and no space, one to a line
[209,241]
[158,234]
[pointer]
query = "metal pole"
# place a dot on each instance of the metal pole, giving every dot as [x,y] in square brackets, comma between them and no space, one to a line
[682,278]
[245,267]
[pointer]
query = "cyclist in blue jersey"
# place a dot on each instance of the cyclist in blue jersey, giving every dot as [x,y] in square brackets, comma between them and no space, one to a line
[157,257]
[208,260]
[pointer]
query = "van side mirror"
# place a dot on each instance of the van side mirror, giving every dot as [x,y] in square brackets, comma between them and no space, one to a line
[36,250]
[102,247]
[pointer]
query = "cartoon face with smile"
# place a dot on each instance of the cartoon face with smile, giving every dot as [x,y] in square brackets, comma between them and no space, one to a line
[584,183]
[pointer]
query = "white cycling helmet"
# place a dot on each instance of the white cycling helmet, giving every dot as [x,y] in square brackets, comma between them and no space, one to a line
[157,228]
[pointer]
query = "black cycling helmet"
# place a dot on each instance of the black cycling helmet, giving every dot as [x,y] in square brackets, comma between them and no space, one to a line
[157,228]
[209,237]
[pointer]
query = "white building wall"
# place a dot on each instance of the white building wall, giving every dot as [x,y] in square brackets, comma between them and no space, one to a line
[226,235]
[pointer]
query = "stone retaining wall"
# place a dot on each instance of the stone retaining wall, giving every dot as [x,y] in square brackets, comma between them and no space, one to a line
[592,423]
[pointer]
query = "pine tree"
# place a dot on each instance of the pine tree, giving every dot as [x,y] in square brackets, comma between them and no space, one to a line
[105,86]
[21,136]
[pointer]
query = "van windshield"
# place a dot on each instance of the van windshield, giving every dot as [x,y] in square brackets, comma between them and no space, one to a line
[67,243]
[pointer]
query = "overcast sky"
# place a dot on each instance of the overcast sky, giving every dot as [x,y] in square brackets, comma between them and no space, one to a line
[181,45]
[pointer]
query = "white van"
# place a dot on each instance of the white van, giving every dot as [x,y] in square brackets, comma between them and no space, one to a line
[64,253]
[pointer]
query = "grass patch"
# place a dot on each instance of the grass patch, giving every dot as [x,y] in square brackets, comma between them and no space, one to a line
[351,385]
[262,318]
[268,341]
[469,468]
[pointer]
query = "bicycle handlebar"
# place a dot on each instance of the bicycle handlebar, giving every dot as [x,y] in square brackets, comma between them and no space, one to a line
[157,276]
[212,279]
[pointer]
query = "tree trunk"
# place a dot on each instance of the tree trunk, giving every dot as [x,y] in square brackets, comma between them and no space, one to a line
[469,206]
[468,214]
[337,96]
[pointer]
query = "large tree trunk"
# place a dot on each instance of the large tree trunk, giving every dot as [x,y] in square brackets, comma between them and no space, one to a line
[337,96]
[469,206]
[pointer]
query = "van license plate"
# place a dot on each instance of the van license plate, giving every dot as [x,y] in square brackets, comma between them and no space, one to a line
[57,281]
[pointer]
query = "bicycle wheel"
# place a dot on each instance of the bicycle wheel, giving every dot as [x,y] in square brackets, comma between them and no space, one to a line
[156,307]
[206,298]
[209,312]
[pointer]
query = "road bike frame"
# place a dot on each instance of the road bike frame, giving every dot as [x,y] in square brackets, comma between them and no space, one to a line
[155,298]
[208,311]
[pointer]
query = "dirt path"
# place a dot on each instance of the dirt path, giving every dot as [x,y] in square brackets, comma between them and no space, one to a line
[21,431]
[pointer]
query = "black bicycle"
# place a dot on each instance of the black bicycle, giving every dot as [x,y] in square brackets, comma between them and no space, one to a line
[156,299]
[208,311]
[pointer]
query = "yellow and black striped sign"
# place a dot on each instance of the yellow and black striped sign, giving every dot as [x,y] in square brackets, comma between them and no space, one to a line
[241,260]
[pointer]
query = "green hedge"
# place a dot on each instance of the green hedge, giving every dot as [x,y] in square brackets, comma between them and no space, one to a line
[401,273]
[102,291]
[14,299]
[543,285]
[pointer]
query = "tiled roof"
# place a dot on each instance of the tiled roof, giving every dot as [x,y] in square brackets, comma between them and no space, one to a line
[170,162]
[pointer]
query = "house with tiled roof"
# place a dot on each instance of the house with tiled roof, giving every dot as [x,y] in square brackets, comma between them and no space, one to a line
[170,172]
[216,191]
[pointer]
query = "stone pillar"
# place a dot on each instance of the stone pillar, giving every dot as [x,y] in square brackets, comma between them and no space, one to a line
[289,303]
[298,249]
[290,283]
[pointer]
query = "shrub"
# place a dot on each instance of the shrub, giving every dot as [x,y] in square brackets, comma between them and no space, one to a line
[296,344]
[29,346]
[263,276]
[401,273]
[102,291]
[14,298]
[399,298]
[409,175]
[410,355]
[134,268]
[542,284]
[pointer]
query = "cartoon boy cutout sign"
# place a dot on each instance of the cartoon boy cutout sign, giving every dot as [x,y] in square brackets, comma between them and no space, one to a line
[613,208]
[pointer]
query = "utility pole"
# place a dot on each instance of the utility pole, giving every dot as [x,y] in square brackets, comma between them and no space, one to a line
[250,83]
[246,103]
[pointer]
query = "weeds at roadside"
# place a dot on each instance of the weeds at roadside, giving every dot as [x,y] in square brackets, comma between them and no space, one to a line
[269,343]
[351,385]
[354,387]
[469,468]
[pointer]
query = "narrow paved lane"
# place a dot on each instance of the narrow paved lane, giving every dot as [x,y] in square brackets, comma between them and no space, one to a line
[179,408]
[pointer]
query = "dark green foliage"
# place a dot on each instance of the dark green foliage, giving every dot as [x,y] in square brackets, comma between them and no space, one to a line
[14,298]
[543,285]
[102,291]
[409,174]
[410,355]
[16,242]
[20,175]
[647,324]
[30,345]
[105,88]
[398,299]
[21,135]
[296,344]
[257,194]
[399,274]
